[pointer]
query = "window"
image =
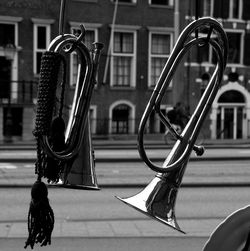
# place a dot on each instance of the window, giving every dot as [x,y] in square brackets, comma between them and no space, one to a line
[90,37]
[7,34]
[41,43]
[160,48]
[207,7]
[123,59]
[235,45]
[162,2]
[235,9]
[120,119]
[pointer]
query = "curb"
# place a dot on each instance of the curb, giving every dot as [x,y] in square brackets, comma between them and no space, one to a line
[118,160]
[133,185]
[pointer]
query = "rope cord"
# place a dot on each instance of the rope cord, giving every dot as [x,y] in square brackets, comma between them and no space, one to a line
[40,215]
[50,67]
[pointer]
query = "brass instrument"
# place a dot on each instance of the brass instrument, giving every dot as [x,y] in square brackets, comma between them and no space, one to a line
[78,154]
[157,199]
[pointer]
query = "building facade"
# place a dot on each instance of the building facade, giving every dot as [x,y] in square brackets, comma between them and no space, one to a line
[138,37]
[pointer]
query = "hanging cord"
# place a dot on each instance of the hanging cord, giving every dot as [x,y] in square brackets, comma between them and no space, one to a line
[53,167]
[40,215]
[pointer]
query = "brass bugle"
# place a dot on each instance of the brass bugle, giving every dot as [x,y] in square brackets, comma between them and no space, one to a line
[157,199]
[78,153]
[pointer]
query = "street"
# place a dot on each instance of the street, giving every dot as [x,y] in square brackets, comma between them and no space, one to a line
[112,244]
[119,173]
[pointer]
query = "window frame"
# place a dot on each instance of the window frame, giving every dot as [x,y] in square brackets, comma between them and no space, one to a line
[131,55]
[241,49]
[240,11]
[40,23]
[150,55]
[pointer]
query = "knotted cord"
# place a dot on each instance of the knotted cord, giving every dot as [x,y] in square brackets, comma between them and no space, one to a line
[41,216]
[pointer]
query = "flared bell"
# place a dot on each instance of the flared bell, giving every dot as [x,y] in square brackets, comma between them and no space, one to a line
[79,173]
[157,201]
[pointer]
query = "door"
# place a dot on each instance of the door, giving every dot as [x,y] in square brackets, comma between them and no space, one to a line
[5,74]
[230,122]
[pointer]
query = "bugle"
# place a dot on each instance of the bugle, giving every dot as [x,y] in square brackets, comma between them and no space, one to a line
[77,155]
[157,199]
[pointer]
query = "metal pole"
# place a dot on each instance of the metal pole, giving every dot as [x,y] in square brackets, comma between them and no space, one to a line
[110,42]
[62,16]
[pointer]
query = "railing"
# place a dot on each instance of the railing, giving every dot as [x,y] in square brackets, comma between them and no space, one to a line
[17,92]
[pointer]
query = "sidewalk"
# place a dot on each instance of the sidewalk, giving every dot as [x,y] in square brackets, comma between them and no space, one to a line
[144,227]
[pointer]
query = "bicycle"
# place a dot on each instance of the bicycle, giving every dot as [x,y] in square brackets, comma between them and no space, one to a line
[170,139]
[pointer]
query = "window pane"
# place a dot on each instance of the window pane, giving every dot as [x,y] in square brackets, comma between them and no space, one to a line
[122,71]
[123,42]
[157,65]
[207,8]
[234,47]
[235,9]
[38,60]
[89,38]
[41,37]
[160,44]
[7,34]
[162,2]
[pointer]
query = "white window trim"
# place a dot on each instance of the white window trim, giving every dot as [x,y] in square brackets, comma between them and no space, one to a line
[211,8]
[40,23]
[131,115]
[159,56]
[230,17]
[88,26]
[133,55]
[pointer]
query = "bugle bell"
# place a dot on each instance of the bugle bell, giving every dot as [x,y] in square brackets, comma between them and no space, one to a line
[157,200]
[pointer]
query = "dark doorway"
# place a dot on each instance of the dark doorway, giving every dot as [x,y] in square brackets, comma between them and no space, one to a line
[5,75]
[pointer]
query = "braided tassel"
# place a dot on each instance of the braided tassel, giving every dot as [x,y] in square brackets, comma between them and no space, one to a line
[41,216]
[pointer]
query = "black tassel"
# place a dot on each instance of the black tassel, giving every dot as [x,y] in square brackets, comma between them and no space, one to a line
[40,217]
[53,167]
